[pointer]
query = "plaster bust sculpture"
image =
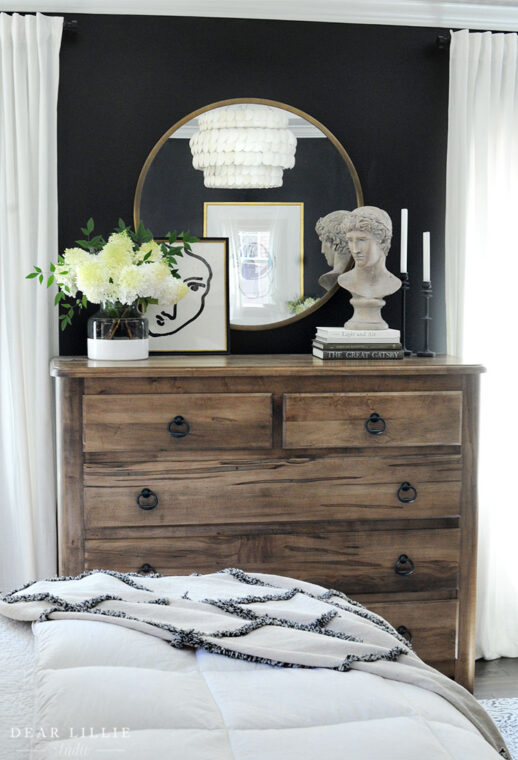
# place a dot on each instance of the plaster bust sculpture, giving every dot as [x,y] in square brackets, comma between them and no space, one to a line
[334,247]
[368,232]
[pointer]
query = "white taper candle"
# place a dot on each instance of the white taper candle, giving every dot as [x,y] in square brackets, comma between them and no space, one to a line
[426,256]
[404,240]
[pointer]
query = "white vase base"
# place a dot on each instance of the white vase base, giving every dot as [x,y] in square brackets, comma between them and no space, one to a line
[118,349]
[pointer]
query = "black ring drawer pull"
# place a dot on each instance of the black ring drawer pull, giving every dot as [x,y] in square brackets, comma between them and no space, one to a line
[406,633]
[406,488]
[178,421]
[404,565]
[375,419]
[147,493]
[146,568]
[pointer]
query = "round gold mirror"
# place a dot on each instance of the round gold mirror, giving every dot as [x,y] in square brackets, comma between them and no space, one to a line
[260,173]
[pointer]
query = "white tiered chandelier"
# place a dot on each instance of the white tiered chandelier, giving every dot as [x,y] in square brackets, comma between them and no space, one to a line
[243,146]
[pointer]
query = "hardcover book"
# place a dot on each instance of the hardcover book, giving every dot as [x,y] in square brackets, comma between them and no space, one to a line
[362,354]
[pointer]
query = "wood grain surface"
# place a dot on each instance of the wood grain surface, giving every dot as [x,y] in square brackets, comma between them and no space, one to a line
[412,419]
[350,561]
[256,365]
[253,490]
[139,423]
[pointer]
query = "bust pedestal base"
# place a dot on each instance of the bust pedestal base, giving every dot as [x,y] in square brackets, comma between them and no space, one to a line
[367,314]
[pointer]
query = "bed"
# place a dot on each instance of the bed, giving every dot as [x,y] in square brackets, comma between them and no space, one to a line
[122,665]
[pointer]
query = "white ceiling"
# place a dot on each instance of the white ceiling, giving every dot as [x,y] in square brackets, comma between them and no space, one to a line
[296,124]
[499,15]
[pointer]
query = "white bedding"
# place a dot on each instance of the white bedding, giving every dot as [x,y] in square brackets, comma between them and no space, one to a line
[186,705]
[141,698]
[16,685]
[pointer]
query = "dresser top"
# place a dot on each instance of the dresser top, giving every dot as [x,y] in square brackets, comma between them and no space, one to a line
[256,365]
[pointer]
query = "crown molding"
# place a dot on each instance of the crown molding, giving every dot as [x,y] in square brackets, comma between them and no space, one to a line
[494,15]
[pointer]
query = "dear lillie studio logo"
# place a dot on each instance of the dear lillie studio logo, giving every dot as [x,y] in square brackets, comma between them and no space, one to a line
[96,744]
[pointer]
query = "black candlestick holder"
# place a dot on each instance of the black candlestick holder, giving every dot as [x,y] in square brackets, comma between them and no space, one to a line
[427,293]
[405,285]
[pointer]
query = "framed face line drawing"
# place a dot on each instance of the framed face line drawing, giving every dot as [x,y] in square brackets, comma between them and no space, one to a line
[199,323]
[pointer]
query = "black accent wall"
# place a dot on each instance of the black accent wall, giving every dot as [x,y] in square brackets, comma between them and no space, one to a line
[382,90]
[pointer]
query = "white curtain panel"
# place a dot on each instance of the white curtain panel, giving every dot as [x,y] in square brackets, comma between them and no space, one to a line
[481,282]
[29,72]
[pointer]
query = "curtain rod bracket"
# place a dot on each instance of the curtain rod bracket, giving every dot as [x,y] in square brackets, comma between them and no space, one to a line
[71,27]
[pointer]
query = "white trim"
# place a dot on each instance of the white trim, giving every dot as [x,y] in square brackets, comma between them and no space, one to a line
[500,15]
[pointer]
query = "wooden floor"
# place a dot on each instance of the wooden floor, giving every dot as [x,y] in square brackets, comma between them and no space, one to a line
[496,678]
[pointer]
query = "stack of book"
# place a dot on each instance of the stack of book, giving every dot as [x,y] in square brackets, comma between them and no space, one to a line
[339,343]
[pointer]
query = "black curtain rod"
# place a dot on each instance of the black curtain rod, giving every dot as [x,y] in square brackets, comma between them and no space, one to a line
[72,27]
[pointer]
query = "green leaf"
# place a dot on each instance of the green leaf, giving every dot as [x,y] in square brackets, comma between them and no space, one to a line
[37,269]
[59,297]
[84,244]
[40,278]
[90,226]
[52,267]
[50,280]
[30,276]
[66,306]
[84,301]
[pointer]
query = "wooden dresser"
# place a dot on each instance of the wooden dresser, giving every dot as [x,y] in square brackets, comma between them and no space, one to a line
[355,475]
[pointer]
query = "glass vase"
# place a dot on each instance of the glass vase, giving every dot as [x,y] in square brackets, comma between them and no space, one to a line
[118,332]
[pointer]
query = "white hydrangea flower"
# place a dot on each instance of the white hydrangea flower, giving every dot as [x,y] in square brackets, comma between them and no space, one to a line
[117,253]
[151,278]
[171,291]
[128,284]
[92,280]
[151,247]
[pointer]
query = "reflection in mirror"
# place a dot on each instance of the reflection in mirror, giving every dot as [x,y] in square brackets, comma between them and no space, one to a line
[276,256]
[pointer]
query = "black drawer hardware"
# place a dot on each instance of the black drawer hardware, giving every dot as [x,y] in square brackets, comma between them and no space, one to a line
[146,568]
[404,565]
[375,425]
[147,493]
[178,421]
[409,490]
[405,632]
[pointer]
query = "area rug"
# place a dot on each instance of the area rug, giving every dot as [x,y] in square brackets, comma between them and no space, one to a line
[505,714]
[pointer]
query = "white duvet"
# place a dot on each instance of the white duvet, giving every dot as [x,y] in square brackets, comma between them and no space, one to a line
[108,690]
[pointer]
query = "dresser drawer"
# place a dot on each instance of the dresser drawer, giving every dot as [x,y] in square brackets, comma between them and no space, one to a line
[355,562]
[430,625]
[267,490]
[323,420]
[176,422]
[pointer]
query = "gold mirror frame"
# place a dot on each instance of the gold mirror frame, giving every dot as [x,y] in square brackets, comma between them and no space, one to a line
[260,101]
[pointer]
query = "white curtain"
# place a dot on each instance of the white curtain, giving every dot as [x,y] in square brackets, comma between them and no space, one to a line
[481,282]
[29,71]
